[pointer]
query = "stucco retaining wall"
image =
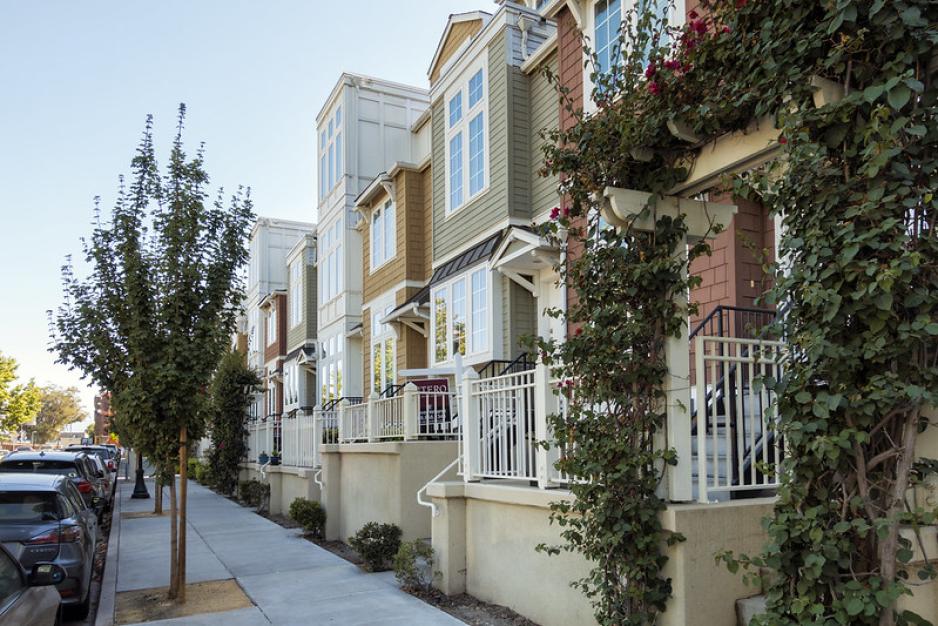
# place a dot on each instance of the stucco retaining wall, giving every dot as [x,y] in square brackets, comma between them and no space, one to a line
[378,482]
[486,534]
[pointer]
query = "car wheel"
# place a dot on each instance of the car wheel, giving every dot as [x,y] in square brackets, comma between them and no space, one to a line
[80,611]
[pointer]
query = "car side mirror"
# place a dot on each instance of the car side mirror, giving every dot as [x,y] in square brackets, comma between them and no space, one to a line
[44,574]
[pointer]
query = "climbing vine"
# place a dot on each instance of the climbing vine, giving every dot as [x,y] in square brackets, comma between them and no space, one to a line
[850,84]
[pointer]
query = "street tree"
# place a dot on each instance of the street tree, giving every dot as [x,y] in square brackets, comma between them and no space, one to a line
[152,319]
[19,402]
[58,408]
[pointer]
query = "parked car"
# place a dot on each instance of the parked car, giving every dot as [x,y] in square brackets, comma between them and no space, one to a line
[107,455]
[75,465]
[29,597]
[105,478]
[43,519]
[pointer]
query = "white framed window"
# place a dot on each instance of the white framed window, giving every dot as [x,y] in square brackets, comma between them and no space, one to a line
[272,324]
[467,139]
[330,262]
[271,398]
[296,291]
[607,15]
[479,321]
[460,316]
[383,235]
[330,153]
[603,23]
[383,351]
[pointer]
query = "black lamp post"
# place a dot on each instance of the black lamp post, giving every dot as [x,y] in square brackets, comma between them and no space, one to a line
[140,487]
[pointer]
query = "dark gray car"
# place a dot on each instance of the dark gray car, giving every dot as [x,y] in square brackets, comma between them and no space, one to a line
[108,458]
[79,469]
[43,519]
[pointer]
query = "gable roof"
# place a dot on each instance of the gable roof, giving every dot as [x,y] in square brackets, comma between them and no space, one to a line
[459,28]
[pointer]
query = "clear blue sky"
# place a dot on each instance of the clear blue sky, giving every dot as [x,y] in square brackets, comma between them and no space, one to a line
[77,80]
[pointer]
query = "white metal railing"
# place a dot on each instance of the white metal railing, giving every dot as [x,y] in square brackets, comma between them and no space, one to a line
[388,416]
[505,438]
[353,423]
[299,441]
[260,438]
[735,443]
[438,414]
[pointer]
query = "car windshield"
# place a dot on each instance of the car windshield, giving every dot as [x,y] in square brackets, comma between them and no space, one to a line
[41,466]
[25,507]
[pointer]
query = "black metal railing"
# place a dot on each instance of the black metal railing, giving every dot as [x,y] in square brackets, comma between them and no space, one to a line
[521,363]
[328,405]
[734,321]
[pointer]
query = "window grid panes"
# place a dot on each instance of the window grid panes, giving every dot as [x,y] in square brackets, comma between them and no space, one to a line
[455,171]
[479,310]
[476,154]
[330,157]
[455,332]
[466,142]
[608,15]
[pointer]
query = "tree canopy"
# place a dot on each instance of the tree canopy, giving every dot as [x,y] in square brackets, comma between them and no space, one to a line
[155,314]
[19,402]
[59,407]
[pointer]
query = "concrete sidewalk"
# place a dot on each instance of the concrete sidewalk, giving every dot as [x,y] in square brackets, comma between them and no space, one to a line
[289,580]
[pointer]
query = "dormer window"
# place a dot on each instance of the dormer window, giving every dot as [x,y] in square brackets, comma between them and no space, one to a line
[466,139]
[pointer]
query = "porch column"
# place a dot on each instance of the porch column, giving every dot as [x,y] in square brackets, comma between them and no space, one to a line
[411,411]
[470,426]
[640,211]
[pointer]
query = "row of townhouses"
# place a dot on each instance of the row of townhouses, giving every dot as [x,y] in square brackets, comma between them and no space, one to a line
[390,335]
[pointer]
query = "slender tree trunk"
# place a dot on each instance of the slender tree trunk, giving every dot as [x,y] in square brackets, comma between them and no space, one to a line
[183,488]
[173,543]
[158,503]
[889,545]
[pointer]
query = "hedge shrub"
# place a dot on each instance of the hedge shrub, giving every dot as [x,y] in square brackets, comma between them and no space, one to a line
[376,544]
[310,515]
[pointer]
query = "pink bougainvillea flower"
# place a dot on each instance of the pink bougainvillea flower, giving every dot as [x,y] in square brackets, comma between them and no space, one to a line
[699,26]
[672,64]
[727,29]
[654,88]
[566,212]
[782,140]
[554,213]
[650,70]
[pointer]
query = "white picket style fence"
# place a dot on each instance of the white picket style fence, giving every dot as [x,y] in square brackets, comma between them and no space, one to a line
[260,438]
[298,433]
[735,444]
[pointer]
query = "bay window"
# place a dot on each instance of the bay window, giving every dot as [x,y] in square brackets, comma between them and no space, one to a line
[460,315]
[272,324]
[330,153]
[296,292]
[383,235]
[466,138]
[383,351]
[330,262]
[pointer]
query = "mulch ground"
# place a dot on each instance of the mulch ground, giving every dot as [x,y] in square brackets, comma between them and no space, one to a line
[147,605]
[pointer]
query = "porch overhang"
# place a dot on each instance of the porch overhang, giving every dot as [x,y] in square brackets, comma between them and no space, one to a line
[730,154]
[523,251]
[414,315]
[629,208]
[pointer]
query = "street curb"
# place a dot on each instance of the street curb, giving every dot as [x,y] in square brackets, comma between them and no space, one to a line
[105,614]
